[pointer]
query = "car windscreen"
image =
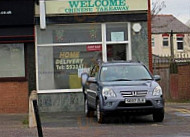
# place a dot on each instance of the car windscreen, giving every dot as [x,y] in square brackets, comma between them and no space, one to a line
[124,73]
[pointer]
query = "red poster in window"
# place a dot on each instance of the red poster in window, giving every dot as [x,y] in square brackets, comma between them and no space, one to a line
[97,47]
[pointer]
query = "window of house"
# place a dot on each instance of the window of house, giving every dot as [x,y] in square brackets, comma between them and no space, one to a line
[12,60]
[165,41]
[180,43]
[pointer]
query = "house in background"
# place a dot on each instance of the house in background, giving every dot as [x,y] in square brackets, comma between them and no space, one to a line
[169,34]
[188,23]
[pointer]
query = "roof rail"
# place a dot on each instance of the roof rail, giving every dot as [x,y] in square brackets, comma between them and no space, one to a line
[135,61]
[130,61]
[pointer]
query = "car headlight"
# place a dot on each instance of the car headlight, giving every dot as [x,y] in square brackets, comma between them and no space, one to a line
[157,91]
[107,92]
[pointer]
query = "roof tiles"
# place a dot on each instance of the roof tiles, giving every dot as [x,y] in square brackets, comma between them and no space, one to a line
[166,23]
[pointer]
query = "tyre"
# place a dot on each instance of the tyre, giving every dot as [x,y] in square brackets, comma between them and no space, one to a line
[88,110]
[158,115]
[99,114]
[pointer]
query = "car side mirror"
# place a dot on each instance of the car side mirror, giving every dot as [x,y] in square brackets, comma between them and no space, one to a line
[157,77]
[92,80]
[84,78]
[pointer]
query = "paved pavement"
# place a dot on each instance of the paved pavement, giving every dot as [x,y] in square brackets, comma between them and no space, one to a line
[76,125]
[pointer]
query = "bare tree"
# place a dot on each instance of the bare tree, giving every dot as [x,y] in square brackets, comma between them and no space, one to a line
[157,6]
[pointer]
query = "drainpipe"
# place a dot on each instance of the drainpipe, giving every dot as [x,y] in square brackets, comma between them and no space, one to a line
[149,37]
[171,45]
[42,14]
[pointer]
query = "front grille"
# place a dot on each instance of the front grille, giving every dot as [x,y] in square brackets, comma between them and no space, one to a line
[141,93]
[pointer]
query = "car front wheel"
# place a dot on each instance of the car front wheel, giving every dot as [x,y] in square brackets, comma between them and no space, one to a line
[87,110]
[99,113]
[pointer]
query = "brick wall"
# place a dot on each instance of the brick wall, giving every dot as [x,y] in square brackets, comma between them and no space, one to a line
[180,83]
[184,81]
[174,86]
[13,97]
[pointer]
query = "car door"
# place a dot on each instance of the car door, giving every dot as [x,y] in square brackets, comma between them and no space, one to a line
[92,86]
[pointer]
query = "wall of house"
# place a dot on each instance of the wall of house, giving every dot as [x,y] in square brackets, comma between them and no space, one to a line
[14,97]
[160,50]
[139,44]
[61,102]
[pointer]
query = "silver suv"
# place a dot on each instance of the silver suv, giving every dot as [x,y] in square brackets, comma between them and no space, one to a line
[126,87]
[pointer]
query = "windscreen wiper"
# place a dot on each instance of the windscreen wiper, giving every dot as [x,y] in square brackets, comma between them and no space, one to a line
[121,79]
[143,79]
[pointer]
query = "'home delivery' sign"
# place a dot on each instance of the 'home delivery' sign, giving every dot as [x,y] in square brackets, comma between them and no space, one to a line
[91,6]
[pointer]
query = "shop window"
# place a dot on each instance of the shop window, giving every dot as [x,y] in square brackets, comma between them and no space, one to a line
[179,43]
[12,61]
[64,52]
[117,32]
[75,33]
[60,67]
[165,41]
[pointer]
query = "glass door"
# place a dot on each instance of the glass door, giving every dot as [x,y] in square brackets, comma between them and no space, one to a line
[116,52]
[116,41]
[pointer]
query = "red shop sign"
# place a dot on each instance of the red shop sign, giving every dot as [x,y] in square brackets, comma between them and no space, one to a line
[97,47]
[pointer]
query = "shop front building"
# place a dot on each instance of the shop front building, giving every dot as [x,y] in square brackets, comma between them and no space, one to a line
[17,55]
[73,35]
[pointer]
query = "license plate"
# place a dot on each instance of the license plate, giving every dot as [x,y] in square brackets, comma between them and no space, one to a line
[135,100]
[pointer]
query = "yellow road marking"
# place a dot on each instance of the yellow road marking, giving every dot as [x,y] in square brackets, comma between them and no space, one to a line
[182,110]
[185,111]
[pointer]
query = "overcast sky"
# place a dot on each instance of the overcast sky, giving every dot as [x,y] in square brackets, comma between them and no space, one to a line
[179,8]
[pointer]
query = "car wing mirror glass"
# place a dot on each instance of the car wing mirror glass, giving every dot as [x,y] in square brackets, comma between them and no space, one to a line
[157,77]
[92,80]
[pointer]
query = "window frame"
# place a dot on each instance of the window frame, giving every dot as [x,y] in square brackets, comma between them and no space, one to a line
[165,39]
[13,79]
[180,41]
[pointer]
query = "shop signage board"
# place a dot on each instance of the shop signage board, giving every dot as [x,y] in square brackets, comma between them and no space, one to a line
[16,12]
[94,6]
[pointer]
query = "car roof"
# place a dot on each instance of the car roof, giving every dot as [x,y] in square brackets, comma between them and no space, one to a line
[111,63]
